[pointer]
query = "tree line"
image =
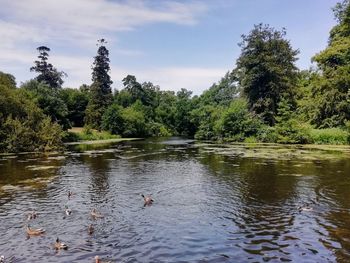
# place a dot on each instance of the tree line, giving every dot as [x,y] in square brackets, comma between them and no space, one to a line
[265,98]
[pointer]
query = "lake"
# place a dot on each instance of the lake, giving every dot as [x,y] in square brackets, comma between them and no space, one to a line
[212,203]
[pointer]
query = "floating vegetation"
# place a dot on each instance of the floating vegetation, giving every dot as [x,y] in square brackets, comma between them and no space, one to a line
[40,167]
[56,158]
[279,152]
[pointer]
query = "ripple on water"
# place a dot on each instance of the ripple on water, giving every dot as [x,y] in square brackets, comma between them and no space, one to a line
[209,207]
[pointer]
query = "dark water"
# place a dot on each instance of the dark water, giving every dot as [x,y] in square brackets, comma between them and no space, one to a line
[212,204]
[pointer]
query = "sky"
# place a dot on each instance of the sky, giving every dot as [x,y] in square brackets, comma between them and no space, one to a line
[172,43]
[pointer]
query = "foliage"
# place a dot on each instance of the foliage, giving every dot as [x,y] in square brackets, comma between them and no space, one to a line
[49,101]
[184,105]
[76,101]
[100,89]
[221,93]
[329,136]
[47,72]
[134,123]
[87,134]
[331,91]
[7,80]
[288,128]
[236,122]
[112,119]
[205,119]
[266,70]
[23,126]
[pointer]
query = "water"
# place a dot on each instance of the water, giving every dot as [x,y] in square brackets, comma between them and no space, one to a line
[212,204]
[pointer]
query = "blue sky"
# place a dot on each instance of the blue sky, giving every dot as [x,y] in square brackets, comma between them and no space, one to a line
[174,44]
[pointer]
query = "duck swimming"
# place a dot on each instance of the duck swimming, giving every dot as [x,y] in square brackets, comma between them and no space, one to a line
[147,199]
[91,229]
[34,232]
[95,214]
[98,260]
[59,245]
[31,215]
[68,211]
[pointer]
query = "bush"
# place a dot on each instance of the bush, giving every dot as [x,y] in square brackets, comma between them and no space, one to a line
[156,129]
[236,123]
[23,126]
[329,136]
[292,131]
[112,119]
[267,134]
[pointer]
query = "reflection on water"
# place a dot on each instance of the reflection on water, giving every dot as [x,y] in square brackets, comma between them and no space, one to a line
[213,203]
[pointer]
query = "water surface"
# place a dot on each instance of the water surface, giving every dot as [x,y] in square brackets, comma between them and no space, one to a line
[213,203]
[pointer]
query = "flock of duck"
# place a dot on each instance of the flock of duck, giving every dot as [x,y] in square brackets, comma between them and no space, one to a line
[58,245]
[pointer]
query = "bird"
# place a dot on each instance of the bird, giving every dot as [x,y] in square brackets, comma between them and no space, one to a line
[59,245]
[98,260]
[96,214]
[68,211]
[34,232]
[31,215]
[148,200]
[91,229]
[70,194]
[2,259]
[305,208]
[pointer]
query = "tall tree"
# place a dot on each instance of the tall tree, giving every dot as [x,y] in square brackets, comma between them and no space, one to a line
[266,70]
[331,92]
[47,72]
[100,89]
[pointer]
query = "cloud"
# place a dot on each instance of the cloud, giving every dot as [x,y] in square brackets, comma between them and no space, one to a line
[69,20]
[71,28]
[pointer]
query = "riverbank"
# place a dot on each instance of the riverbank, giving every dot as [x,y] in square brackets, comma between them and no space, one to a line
[105,141]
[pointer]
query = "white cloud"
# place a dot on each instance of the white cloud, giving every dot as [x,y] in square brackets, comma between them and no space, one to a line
[72,27]
[86,19]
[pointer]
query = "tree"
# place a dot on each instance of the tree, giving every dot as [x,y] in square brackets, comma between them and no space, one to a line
[47,73]
[331,91]
[23,126]
[7,80]
[266,70]
[76,101]
[100,89]
[112,120]
[236,122]
[184,105]
[49,100]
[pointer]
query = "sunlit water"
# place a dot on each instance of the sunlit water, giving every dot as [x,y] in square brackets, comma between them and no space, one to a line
[211,204]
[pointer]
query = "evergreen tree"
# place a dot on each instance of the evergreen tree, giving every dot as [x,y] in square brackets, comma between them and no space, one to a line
[47,73]
[266,70]
[100,89]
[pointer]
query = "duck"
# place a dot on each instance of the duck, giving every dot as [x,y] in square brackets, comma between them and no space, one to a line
[31,215]
[148,200]
[34,232]
[305,208]
[96,214]
[91,229]
[70,194]
[68,211]
[98,260]
[59,245]
[2,259]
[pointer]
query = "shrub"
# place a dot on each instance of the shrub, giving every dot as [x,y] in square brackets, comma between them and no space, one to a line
[329,136]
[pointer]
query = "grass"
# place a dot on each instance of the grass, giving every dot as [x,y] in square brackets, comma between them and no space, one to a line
[77,134]
[329,136]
